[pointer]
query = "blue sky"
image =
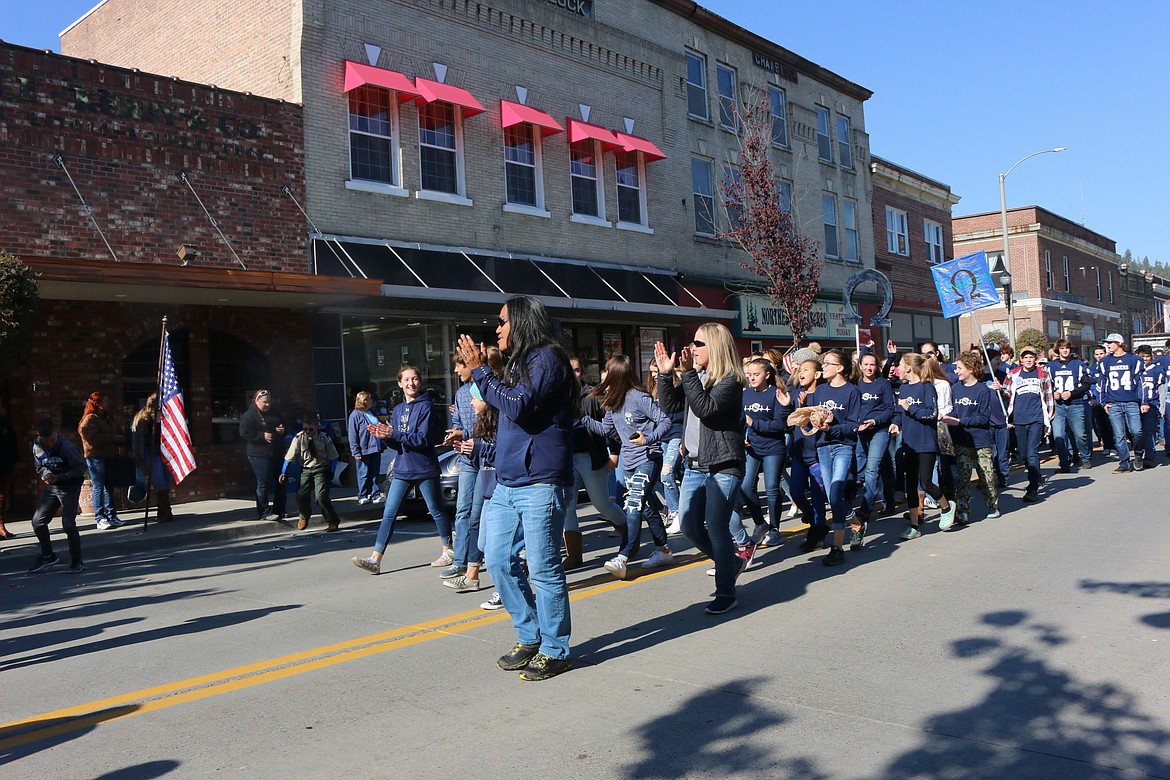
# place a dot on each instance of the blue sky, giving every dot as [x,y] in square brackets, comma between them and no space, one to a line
[962,91]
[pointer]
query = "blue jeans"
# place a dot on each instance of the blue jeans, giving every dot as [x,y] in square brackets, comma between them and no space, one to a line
[532,517]
[641,504]
[1028,436]
[670,476]
[429,489]
[872,450]
[103,499]
[596,483]
[1151,425]
[1125,416]
[836,461]
[1070,421]
[704,508]
[369,468]
[1001,438]
[63,497]
[468,505]
[266,470]
[773,468]
[807,492]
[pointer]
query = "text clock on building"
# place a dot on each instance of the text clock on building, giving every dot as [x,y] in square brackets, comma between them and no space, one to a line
[885,289]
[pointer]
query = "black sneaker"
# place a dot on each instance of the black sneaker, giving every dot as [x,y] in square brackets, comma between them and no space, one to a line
[44,563]
[720,605]
[542,667]
[1123,470]
[1138,464]
[77,567]
[1031,496]
[518,657]
[836,557]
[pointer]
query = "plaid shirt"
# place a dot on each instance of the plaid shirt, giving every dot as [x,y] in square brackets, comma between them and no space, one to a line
[1047,400]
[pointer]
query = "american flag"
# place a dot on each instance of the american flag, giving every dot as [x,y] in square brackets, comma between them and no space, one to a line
[176,439]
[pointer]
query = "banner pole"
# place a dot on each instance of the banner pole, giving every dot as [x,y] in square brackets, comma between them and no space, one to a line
[987,357]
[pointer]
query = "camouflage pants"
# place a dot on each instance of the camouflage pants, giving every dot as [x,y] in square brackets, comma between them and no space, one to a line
[980,460]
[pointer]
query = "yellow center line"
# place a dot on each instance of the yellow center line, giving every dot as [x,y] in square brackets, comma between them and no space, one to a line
[84,716]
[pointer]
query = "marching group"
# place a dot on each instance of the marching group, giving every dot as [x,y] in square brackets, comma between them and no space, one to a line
[840,435]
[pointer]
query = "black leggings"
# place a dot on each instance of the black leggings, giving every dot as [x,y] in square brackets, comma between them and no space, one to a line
[924,477]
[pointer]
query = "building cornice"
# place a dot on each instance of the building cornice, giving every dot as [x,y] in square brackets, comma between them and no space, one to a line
[906,182]
[1045,231]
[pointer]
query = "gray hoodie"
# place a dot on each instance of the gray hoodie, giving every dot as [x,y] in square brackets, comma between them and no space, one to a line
[639,412]
[63,460]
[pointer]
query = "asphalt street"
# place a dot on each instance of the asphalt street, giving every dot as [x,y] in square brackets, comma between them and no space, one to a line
[1032,646]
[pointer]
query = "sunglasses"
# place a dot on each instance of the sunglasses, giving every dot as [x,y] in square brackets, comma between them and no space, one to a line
[502,321]
[697,343]
[261,393]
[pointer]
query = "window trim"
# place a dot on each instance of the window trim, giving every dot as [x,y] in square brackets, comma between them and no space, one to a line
[599,181]
[395,185]
[782,117]
[702,59]
[695,196]
[460,194]
[893,233]
[537,166]
[1098,274]
[1048,280]
[845,146]
[640,167]
[927,224]
[823,112]
[734,98]
[1110,275]
[850,205]
[1067,282]
[826,198]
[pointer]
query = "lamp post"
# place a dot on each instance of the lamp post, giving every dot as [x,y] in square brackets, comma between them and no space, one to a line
[1007,257]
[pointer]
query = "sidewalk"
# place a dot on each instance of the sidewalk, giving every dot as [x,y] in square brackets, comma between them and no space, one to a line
[195,523]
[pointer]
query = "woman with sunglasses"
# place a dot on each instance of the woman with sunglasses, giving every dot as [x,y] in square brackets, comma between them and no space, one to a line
[711,392]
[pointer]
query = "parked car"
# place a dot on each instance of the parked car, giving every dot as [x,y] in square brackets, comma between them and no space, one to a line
[413,504]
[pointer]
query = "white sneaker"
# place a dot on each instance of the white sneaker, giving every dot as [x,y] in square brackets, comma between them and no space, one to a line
[772,539]
[495,602]
[930,503]
[378,498]
[675,527]
[660,557]
[793,512]
[711,572]
[363,500]
[104,524]
[617,566]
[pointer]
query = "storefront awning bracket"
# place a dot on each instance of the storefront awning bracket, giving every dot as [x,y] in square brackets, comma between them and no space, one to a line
[688,292]
[485,276]
[59,161]
[182,176]
[610,286]
[288,191]
[550,279]
[659,289]
[408,268]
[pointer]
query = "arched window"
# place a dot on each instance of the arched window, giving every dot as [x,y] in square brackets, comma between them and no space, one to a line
[237,370]
[140,371]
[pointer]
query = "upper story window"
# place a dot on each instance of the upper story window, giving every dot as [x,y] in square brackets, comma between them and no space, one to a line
[897,240]
[703,194]
[1110,276]
[373,136]
[776,100]
[631,188]
[824,142]
[585,171]
[1047,270]
[849,220]
[697,85]
[1067,286]
[522,170]
[784,194]
[733,177]
[726,82]
[440,142]
[934,241]
[829,207]
[844,145]
[1098,271]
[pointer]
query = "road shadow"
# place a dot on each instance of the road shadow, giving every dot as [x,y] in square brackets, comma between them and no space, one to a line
[715,733]
[1143,590]
[1038,721]
[26,739]
[144,771]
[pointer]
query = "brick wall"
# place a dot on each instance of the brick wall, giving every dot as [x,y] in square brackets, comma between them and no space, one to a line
[235,44]
[123,136]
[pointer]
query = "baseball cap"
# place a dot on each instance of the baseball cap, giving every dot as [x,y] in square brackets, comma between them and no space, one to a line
[1027,351]
[1114,337]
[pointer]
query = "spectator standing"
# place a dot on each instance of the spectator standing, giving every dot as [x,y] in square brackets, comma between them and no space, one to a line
[365,448]
[145,437]
[61,467]
[262,429]
[101,441]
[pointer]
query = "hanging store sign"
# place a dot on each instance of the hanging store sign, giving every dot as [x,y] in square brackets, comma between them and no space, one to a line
[759,316]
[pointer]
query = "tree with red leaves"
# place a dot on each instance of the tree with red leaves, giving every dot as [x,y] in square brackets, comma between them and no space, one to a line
[788,263]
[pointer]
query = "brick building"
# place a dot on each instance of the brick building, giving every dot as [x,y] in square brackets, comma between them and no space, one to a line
[122,137]
[460,152]
[913,215]
[1067,280]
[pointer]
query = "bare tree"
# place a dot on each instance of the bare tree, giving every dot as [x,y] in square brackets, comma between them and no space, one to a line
[788,263]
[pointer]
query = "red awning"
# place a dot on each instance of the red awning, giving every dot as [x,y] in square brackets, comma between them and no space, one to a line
[633,143]
[430,91]
[580,131]
[515,113]
[357,74]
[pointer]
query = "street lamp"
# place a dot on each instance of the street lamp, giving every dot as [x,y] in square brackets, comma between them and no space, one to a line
[1007,258]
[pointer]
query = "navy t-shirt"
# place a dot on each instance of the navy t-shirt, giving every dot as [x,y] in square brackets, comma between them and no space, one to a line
[918,423]
[973,407]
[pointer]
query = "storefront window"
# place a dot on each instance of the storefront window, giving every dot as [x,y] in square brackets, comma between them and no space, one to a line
[237,370]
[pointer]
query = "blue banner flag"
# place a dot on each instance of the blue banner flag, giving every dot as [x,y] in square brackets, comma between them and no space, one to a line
[964,284]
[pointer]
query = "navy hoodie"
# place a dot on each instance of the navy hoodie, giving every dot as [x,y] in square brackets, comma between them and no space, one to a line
[877,402]
[973,407]
[918,423]
[766,433]
[534,444]
[412,439]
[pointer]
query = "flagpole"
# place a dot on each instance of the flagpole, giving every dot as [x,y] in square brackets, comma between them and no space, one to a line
[150,455]
[987,357]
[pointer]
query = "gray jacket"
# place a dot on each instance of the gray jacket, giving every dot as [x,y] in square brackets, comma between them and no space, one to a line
[720,413]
